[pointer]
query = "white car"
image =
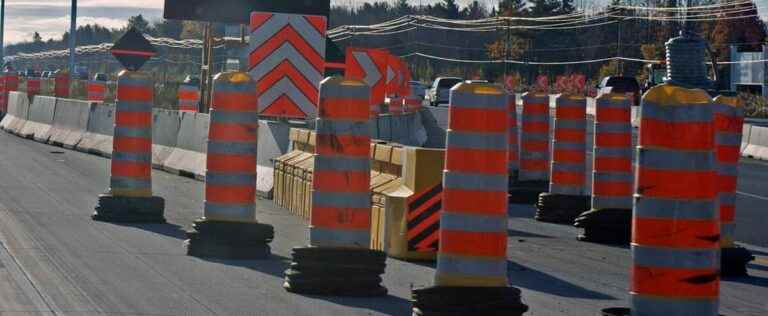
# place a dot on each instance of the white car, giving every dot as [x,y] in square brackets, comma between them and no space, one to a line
[440,90]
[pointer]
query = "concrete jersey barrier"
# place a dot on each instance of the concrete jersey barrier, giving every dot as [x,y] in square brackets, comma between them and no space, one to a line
[40,119]
[70,122]
[756,146]
[273,143]
[165,132]
[98,134]
[188,158]
[18,111]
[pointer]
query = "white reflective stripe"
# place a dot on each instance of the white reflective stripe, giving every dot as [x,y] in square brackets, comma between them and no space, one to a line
[624,177]
[328,237]
[611,202]
[473,222]
[648,256]
[727,229]
[618,128]
[341,199]
[617,152]
[130,183]
[475,181]
[680,113]
[570,124]
[534,155]
[646,305]
[727,169]
[277,22]
[568,167]
[646,207]
[285,87]
[566,189]
[526,136]
[297,60]
[464,99]
[372,73]
[727,198]
[664,159]
[334,89]
[472,140]
[231,211]
[526,175]
[728,139]
[569,145]
[342,164]
[471,266]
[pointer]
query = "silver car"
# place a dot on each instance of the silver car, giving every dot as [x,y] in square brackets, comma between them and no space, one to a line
[440,90]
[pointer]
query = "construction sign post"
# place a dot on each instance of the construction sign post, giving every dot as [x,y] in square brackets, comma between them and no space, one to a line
[287,60]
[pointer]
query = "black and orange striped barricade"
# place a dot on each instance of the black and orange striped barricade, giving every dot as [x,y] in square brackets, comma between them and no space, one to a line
[676,230]
[189,97]
[610,219]
[228,228]
[729,120]
[61,84]
[129,197]
[471,275]
[533,175]
[338,260]
[513,162]
[566,198]
[33,87]
[97,90]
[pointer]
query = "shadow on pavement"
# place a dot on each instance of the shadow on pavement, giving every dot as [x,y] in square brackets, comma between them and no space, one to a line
[521,210]
[525,277]
[389,305]
[752,280]
[753,266]
[168,229]
[275,265]
[519,233]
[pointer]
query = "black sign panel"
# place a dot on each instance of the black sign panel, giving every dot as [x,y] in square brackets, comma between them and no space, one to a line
[133,50]
[239,11]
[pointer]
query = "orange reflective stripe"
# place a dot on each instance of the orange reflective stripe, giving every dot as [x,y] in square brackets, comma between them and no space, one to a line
[613,140]
[676,184]
[534,164]
[606,188]
[131,169]
[727,213]
[568,178]
[608,164]
[571,113]
[235,101]
[341,218]
[569,156]
[613,115]
[671,282]
[570,135]
[230,194]
[188,95]
[132,144]
[475,202]
[676,233]
[346,145]
[233,132]
[536,127]
[479,244]
[728,153]
[338,181]
[535,109]
[344,109]
[473,160]
[134,93]
[478,120]
[133,119]
[231,163]
[727,183]
[656,133]
[534,146]
[729,124]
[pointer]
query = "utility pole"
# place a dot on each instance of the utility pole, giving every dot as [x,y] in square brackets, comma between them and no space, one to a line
[205,67]
[2,31]
[72,38]
[507,48]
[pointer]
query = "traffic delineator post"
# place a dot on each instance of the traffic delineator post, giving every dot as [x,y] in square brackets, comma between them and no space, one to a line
[189,97]
[97,90]
[533,175]
[228,228]
[610,220]
[33,87]
[338,260]
[471,274]
[61,84]
[129,197]
[729,121]
[566,198]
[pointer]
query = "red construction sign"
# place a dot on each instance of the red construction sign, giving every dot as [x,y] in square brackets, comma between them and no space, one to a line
[578,83]
[562,84]
[542,83]
[406,89]
[287,61]
[369,65]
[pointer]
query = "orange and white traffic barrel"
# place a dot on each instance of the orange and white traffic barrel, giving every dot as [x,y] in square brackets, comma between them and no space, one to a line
[610,219]
[61,84]
[567,182]
[129,198]
[33,87]
[472,256]
[97,90]
[729,119]
[338,260]
[228,228]
[396,105]
[513,164]
[413,100]
[533,176]
[189,97]
[9,81]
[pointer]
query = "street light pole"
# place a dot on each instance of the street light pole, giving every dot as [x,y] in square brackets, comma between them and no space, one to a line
[72,38]
[2,32]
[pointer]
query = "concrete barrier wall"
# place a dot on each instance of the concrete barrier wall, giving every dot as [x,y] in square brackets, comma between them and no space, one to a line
[273,142]
[188,157]
[757,143]
[18,111]
[40,119]
[70,122]
[165,132]
[98,135]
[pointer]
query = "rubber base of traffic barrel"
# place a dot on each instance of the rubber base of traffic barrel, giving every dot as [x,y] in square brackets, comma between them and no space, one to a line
[607,226]
[561,209]
[460,301]
[526,192]
[229,240]
[119,209]
[336,272]
[734,260]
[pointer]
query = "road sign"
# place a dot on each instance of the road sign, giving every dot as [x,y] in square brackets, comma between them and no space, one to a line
[578,82]
[542,83]
[369,65]
[287,60]
[394,75]
[562,83]
[133,50]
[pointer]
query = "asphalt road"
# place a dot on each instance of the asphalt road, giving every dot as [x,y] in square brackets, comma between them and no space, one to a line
[55,261]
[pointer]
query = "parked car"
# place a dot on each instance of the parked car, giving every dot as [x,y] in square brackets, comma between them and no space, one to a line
[439,92]
[45,74]
[100,77]
[618,84]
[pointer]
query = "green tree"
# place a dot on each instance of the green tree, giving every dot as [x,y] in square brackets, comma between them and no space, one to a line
[541,8]
[36,38]
[139,22]
[512,8]
[450,9]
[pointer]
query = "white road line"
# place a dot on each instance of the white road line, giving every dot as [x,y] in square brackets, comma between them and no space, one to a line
[753,195]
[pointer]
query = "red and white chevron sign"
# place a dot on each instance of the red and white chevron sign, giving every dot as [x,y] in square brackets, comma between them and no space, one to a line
[287,61]
[369,65]
[394,75]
